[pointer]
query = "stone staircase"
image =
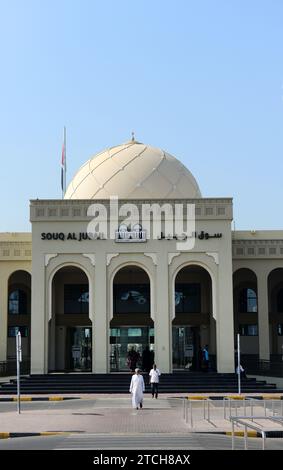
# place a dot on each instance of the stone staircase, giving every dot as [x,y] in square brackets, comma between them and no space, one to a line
[177,382]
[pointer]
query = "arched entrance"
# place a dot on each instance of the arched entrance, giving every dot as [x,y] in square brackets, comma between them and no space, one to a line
[246,312]
[19,317]
[275,296]
[131,327]
[193,326]
[70,332]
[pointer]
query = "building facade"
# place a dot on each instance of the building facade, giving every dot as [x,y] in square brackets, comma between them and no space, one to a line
[91,283]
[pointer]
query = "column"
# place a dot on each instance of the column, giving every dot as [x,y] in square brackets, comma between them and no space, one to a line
[263,316]
[100,336]
[225,317]
[3,317]
[162,322]
[39,350]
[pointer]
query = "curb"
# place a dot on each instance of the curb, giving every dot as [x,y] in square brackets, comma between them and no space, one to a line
[234,397]
[55,398]
[269,434]
[8,435]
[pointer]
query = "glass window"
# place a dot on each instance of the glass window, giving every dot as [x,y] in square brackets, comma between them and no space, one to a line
[76,298]
[248,301]
[134,332]
[248,330]
[115,332]
[17,302]
[280,329]
[187,298]
[13,331]
[131,298]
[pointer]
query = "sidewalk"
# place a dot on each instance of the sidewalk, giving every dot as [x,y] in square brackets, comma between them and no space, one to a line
[113,414]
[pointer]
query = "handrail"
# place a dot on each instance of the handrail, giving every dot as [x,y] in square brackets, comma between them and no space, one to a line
[241,420]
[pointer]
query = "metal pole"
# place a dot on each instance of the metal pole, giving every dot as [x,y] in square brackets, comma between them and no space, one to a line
[233,435]
[263,435]
[246,438]
[19,359]
[239,372]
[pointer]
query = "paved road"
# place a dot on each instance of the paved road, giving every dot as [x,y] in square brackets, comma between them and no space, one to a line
[109,422]
[190,441]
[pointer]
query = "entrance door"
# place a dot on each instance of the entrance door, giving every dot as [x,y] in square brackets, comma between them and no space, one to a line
[185,341]
[79,349]
[125,339]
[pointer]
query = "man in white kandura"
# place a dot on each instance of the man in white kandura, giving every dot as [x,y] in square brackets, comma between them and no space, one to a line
[154,380]
[137,389]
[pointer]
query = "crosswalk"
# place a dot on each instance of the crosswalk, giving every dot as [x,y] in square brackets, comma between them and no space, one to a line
[191,441]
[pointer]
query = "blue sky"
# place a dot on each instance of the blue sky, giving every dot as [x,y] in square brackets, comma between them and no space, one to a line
[200,79]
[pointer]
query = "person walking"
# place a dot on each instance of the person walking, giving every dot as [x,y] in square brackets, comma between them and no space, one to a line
[132,359]
[137,389]
[242,371]
[154,380]
[205,358]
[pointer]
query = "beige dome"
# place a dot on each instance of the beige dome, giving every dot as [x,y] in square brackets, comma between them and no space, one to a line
[133,171]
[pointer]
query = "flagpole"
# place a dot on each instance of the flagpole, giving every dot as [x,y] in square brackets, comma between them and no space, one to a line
[65,169]
[63,165]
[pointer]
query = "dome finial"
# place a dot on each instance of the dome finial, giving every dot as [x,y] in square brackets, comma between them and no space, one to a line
[133,136]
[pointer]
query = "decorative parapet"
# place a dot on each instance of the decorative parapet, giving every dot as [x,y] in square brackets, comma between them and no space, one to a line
[251,249]
[15,251]
[68,209]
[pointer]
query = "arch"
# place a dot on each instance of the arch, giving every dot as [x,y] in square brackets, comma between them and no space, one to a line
[25,271]
[19,314]
[275,285]
[275,300]
[69,318]
[245,310]
[245,291]
[20,280]
[190,330]
[131,323]
[213,283]
[111,284]
[51,277]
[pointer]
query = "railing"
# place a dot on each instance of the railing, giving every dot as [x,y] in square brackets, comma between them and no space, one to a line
[229,407]
[255,366]
[242,421]
[10,367]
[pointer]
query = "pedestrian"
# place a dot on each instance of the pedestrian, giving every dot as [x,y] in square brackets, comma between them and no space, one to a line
[146,359]
[205,358]
[242,371]
[132,359]
[137,389]
[154,380]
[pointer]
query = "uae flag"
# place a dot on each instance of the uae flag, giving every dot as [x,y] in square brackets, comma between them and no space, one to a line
[63,165]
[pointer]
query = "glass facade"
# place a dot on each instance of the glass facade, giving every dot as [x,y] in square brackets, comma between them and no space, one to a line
[183,347]
[187,298]
[248,301]
[79,347]
[76,298]
[126,339]
[14,330]
[248,330]
[17,302]
[131,298]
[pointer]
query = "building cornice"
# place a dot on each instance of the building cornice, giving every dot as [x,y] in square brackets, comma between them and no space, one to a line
[260,249]
[65,210]
[10,251]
